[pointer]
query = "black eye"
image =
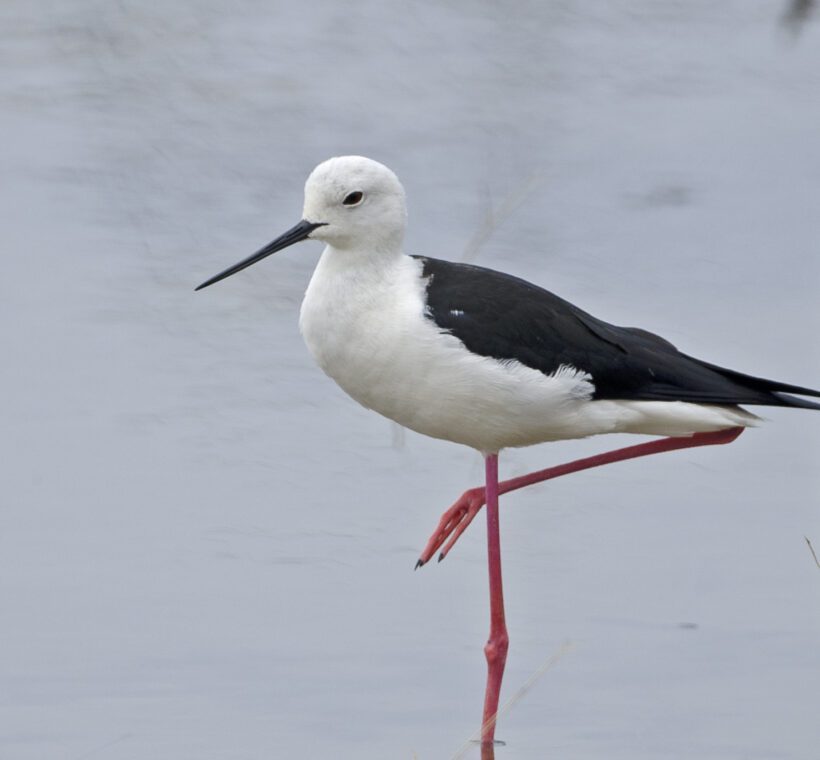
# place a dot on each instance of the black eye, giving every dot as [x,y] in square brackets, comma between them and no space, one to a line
[353,198]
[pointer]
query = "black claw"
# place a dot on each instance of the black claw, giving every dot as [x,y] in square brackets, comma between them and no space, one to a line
[419,564]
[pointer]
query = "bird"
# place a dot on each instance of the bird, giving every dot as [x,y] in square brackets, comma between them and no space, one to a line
[490,361]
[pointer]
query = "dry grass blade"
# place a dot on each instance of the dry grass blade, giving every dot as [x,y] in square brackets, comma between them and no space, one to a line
[496,216]
[811,549]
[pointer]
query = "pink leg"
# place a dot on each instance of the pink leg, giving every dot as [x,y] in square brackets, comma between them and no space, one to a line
[456,519]
[498,642]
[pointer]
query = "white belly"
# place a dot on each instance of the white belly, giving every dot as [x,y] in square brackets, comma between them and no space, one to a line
[366,328]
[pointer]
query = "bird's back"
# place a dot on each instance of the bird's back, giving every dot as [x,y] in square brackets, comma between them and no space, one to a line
[507,318]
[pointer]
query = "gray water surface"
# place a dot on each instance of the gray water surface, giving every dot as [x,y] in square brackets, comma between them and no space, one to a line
[207,550]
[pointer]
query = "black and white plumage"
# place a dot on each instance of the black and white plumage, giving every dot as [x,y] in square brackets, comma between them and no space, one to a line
[482,358]
[509,319]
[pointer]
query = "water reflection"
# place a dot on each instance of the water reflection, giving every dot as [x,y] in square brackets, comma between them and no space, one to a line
[488,751]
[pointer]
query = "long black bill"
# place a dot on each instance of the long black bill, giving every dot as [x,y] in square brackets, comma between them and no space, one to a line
[293,235]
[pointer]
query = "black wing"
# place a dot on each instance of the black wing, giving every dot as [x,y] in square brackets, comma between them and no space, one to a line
[506,318]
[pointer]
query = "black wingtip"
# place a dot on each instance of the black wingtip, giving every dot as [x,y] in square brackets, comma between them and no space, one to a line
[419,564]
[441,556]
[796,403]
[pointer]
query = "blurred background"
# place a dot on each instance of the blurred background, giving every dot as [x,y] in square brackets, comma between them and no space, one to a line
[207,550]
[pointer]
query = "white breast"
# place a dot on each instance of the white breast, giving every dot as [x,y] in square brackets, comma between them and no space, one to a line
[366,328]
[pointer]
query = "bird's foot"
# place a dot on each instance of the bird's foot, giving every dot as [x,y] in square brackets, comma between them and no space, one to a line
[452,524]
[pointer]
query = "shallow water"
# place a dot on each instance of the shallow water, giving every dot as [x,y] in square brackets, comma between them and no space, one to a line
[207,549]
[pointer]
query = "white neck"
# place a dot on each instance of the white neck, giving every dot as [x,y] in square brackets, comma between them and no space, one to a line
[353,294]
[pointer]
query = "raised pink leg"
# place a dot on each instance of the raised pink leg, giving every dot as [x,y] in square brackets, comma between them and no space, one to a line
[498,642]
[456,519]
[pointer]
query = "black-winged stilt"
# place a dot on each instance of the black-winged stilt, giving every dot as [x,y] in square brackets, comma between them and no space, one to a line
[490,361]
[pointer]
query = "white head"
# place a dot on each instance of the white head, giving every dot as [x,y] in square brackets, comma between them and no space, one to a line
[351,203]
[359,203]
